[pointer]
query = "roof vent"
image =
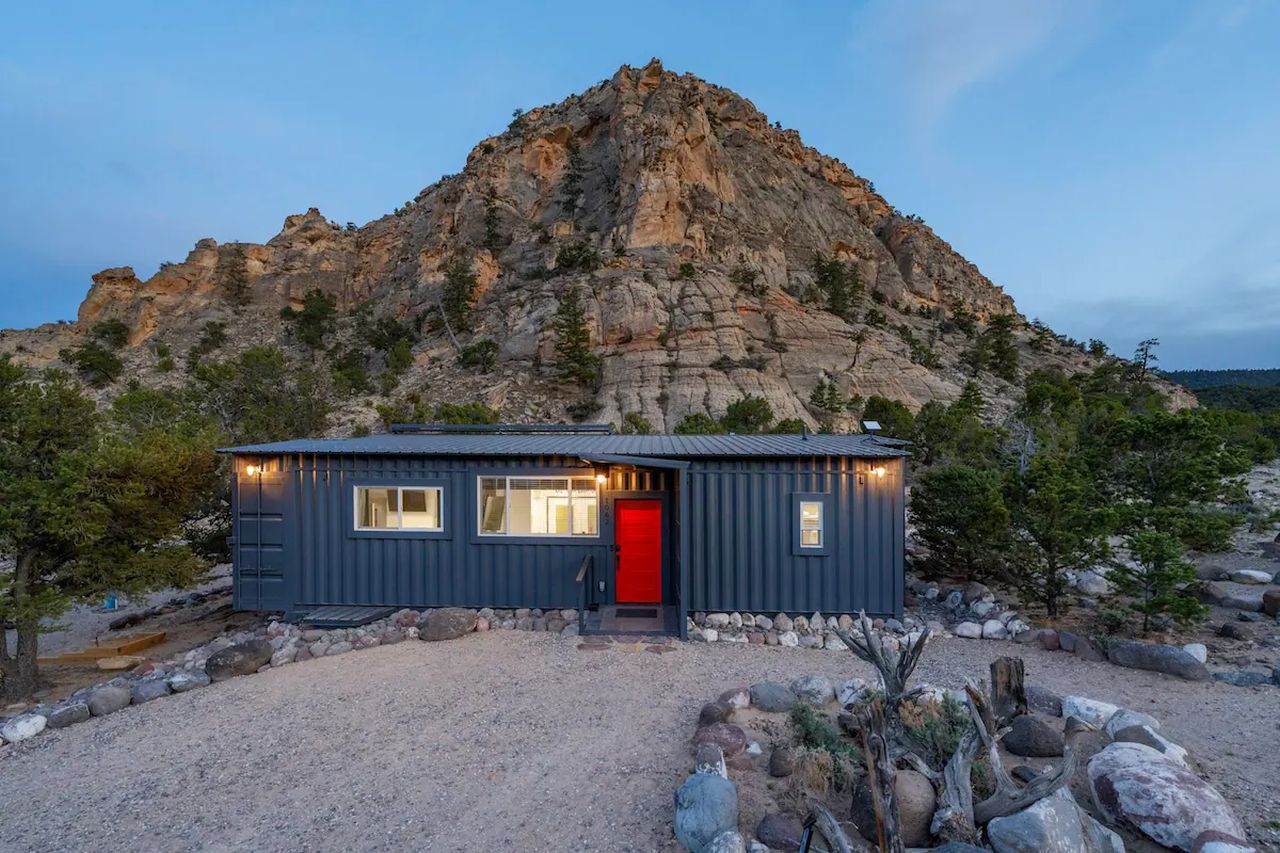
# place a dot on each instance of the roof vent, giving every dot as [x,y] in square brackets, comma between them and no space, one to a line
[502,429]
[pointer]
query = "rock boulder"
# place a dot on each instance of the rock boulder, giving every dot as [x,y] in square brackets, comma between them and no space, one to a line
[108,699]
[706,805]
[1032,737]
[1136,786]
[447,623]
[239,659]
[772,697]
[1054,824]
[1157,657]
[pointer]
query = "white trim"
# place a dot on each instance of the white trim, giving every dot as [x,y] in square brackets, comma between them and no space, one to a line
[399,490]
[506,514]
[822,523]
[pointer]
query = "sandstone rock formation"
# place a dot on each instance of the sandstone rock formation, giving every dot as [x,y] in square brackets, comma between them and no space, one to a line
[706,221]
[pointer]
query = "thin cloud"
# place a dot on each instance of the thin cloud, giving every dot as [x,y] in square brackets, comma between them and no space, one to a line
[940,49]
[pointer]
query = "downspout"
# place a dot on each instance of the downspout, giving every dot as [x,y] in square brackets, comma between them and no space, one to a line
[682,612]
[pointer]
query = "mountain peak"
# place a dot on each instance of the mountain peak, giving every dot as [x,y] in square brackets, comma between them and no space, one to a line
[701,234]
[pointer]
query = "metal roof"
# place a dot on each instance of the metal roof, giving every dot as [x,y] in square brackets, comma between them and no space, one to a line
[674,446]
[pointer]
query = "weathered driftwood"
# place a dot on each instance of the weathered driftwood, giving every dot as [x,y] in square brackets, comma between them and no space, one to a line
[830,829]
[881,778]
[953,815]
[1010,796]
[895,668]
[957,817]
[1008,689]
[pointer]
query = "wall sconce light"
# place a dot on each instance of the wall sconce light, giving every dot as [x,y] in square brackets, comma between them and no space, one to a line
[602,478]
[878,471]
[252,470]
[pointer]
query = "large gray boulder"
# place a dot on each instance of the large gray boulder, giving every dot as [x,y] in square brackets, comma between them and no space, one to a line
[108,699]
[1043,700]
[1157,657]
[181,682]
[1124,718]
[1135,786]
[447,623]
[23,727]
[814,689]
[772,697]
[68,714]
[1054,824]
[1091,711]
[1231,595]
[1031,737]
[148,689]
[239,659]
[706,805]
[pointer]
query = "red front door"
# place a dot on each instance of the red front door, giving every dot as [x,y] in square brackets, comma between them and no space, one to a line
[638,535]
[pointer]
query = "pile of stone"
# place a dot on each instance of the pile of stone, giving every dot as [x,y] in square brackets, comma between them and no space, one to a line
[806,632]
[265,647]
[1142,784]
[972,610]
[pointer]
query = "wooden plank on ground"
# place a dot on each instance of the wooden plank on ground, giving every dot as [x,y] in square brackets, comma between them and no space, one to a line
[132,644]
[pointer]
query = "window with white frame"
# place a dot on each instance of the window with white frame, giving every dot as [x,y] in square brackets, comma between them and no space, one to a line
[399,508]
[538,506]
[811,524]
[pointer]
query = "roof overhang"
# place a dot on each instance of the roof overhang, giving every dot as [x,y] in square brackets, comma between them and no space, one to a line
[638,461]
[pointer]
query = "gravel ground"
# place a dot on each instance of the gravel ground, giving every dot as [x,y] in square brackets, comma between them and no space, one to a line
[503,740]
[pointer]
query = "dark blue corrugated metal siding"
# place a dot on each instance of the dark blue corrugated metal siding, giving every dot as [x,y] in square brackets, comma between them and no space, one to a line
[739,537]
[334,568]
[741,546]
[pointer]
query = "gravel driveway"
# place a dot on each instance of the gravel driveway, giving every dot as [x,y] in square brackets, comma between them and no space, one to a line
[504,740]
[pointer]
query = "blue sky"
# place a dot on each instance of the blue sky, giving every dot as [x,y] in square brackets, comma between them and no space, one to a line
[1115,166]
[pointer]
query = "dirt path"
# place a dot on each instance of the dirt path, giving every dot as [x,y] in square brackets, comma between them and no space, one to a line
[504,740]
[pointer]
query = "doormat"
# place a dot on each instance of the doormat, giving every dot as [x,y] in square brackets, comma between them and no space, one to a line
[636,613]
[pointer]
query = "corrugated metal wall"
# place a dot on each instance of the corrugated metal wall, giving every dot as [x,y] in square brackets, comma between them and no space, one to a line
[739,537]
[741,556]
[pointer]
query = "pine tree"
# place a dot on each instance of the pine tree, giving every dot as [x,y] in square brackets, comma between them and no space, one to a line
[575,362]
[458,294]
[1154,582]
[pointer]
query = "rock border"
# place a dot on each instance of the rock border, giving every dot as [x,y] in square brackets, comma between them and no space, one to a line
[271,645]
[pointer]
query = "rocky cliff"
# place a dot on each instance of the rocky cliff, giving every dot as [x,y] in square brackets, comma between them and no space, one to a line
[704,223]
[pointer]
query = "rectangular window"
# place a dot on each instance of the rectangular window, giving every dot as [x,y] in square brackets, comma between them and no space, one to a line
[398,508]
[538,506]
[810,524]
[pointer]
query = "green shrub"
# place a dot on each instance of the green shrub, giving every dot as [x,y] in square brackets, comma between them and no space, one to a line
[95,364]
[936,728]
[839,284]
[697,423]
[686,270]
[748,415]
[316,320]
[812,730]
[350,374]
[634,423]
[481,354]
[112,333]
[578,257]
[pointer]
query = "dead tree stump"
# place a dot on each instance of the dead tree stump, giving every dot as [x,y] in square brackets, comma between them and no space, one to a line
[1008,689]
